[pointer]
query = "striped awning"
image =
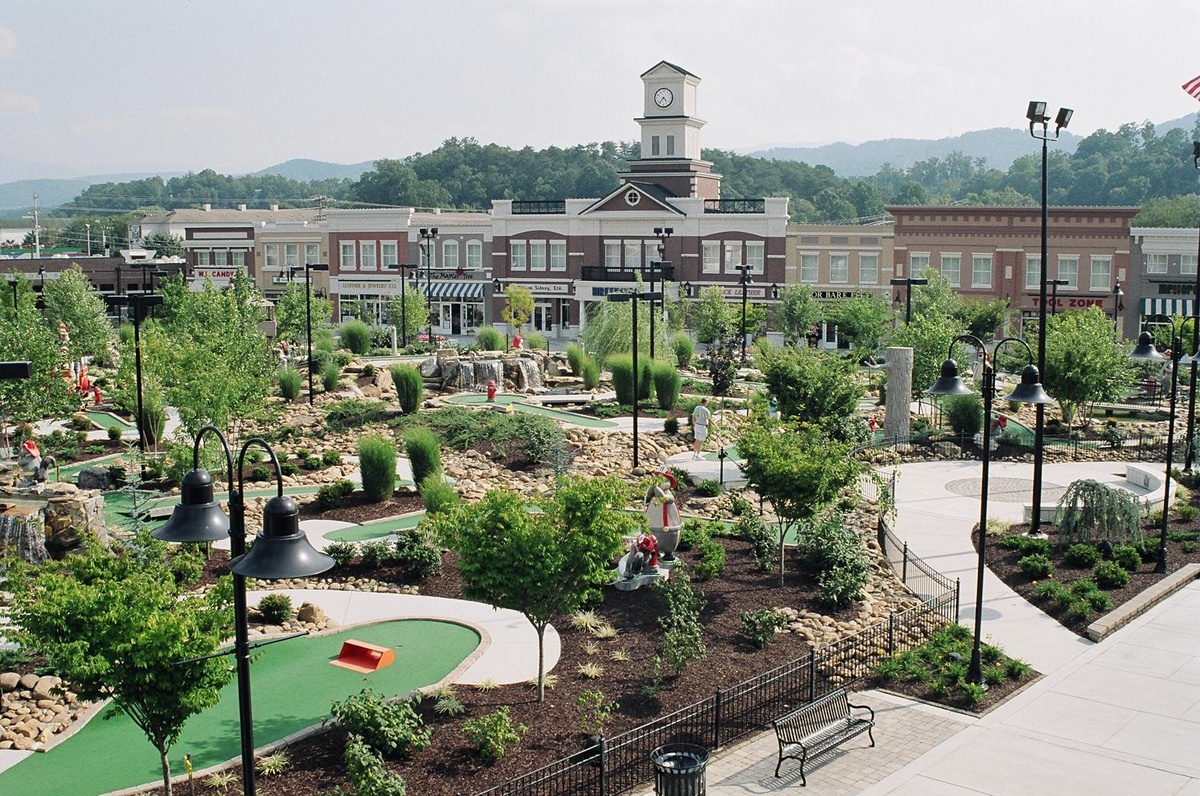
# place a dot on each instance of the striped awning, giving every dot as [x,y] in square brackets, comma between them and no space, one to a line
[454,290]
[1167,306]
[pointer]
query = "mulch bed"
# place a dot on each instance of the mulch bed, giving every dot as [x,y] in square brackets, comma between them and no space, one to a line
[358,508]
[1003,563]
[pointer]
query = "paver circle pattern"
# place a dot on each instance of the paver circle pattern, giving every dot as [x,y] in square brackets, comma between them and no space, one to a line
[1005,490]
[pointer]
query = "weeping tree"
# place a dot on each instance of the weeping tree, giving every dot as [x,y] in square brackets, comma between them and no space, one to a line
[609,329]
[1090,512]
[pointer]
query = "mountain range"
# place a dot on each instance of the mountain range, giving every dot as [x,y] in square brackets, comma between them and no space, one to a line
[998,146]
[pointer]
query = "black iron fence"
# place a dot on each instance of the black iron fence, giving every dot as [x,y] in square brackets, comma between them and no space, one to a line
[622,762]
[1139,446]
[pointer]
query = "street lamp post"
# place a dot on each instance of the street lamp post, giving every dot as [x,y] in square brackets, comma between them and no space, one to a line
[634,298]
[403,305]
[1029,391]
[1036,114]
[744,281]
[89,238]
[13,282]
[1118,307]
[308,268]
[1054,285]
[655,268]
[281,550]
[1191,424]
[1145,351]
[428,236]
[908,283]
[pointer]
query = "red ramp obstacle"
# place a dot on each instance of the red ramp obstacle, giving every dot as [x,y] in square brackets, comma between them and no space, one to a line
[360,656]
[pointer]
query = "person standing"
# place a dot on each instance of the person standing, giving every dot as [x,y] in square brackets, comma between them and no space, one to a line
[700,419]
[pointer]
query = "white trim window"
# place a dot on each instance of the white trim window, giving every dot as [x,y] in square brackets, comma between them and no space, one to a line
[239,257]
[537,255]
[389,254]
[450,254]
[1156,263]
[951,267]
[474,255]
[633,255]
[270,255]
[367,252]
[312,253]
[918,264]
[810,267]
[1068,269]
[1033,272]
[1100,277]
[204,257]
[220,257]
[655,146]
[981,270]
[347,260]
[517,254]
[839,268]
[1187,264]
[756,256]
[612,255]
[670,146]
[558,255]
[710,252]
[868,269]
[291,255]
[733,256]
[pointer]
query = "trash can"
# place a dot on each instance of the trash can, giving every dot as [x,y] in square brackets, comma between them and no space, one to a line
[679,769]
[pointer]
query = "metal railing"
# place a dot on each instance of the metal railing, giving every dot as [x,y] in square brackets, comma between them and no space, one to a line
[539,207]
[735,206]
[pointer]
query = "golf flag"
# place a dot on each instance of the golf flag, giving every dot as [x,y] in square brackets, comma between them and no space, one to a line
[1193,87]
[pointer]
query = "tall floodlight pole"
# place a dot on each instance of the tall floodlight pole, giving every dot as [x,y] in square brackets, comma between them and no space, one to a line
[655,268]
[1191,426]
[428,236]
[745,282]
[1036,114]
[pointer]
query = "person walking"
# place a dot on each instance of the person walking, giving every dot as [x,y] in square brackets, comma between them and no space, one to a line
[700,419]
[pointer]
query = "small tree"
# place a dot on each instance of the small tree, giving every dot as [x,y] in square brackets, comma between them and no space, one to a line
[408,314]
[711,317]
[116,625]
[862,322]
[518,306]
[798,312]
[798,469]
[965,413]
[1092,512]
[811,387]
[1084,364]
[547,564]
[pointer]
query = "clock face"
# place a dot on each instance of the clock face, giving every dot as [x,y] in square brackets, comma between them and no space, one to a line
[663,97]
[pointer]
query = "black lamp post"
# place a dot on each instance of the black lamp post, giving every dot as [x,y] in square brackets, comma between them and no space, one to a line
[13,282]
[1036,114]
[281,550]
[1191,424]
[744,281]
[428,236]
[1054,284]
[403,304]
[634,298]
[308,268]
[1118,307]
[1145,351]
[687,289]
[908,283]
[656,268]
[1028,391]
[139,303]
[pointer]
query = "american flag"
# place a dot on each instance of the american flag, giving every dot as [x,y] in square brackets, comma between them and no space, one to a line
[1193,87]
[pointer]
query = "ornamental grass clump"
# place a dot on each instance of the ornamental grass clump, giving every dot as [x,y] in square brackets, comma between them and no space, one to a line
[575,357]
[289,384]
[666,384]
[683,348]
[356,336]
[489,339]
[377,461]
[424,451]
[409,387]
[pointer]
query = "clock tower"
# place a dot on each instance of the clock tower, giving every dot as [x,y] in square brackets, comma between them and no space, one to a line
[671,135]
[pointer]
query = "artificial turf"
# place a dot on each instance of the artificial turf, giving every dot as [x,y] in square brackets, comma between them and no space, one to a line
[293,686]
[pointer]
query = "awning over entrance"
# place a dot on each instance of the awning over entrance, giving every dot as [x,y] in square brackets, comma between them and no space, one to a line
[454,290]
[1167,306]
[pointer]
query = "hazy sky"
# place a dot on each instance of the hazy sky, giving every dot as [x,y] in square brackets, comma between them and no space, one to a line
[132,85]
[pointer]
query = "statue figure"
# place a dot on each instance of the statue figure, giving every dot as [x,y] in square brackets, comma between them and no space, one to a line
[662,512]
[34,467]
[643,556]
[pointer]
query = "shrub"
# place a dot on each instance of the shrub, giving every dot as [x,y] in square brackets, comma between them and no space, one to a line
[375,553]
[1082,555]
[377,462]
[424,451]
[353,414]
[489,339]
[684,350]
[288,468]
[330,373]
[437,493]
[834,551]
[1110,575]
[1188,513]
[710,558]
[683,634]
[1054,591]
[114,432]
[753,529]
[368,370]
[1036,567]
[366,771]
[289,383]
[666,384]
[311,462]
[671,426]
[330,496]
[331,458]
[534,341]
[590,370]
[409,387]
[1025,545]
[416,552]
[1126,555]
[594,712]
[276,608]
[709,487]
[761,625]
[356,336]
[490,735]
[388,727]
[575,358]
[341,551]
[1147,547]
[260,473]
[965,414]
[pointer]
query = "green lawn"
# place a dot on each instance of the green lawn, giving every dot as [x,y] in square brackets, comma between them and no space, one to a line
[293,686]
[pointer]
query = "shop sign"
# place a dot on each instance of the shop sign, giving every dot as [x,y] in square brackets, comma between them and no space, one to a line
[1066,302]
[1175,289]
[218,273]
[602,291]
[557,289]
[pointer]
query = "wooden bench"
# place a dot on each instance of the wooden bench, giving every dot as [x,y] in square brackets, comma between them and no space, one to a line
[819,726]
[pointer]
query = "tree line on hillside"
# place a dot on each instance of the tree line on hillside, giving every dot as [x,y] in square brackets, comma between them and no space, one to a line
[1132,166]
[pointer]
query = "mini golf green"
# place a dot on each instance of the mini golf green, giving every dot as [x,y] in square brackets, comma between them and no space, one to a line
[106,419]
[293,686]
[375,530]
[518,403]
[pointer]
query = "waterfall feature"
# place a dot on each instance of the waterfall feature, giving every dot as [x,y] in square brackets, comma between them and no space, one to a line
[489,370]
[23,534]
[530,373]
